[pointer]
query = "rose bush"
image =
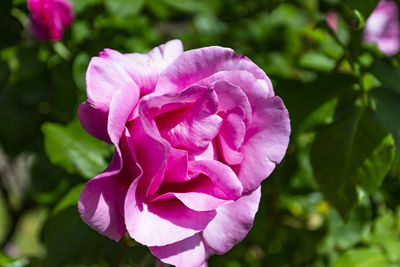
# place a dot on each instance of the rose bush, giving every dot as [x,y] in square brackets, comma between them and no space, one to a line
[383,28]
[49,18]
[195,134]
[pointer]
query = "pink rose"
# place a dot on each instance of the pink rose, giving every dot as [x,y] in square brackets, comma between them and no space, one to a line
[49,18]
[195,133]
[332,20]
[383,29]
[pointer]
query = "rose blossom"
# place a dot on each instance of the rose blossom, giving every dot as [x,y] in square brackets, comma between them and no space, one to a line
[332,20]
[49,18]
[195,134]
[382,28]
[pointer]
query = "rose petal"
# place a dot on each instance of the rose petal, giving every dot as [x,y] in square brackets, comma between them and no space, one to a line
[188,252]
[198,64]
[152,153]
[265,142]
[194,128]
[94,121]
[232,222]
[220,174]
[199,194]
[161,223]
[231,97]
[177,164]
[231,137]
[99,205]
[252,87]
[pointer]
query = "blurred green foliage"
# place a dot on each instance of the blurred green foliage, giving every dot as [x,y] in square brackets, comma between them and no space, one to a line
[334,199]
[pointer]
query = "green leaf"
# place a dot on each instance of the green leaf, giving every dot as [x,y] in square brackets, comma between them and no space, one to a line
[70,242]
[70,199]
[317,61]
[81,5]
[365,7]
[123,8]
[67,238]
[302,99]
[80,31]
[387,109]
[73,149]
[388,75]
[352,152]
[362,257]
[79,67]
[190,6]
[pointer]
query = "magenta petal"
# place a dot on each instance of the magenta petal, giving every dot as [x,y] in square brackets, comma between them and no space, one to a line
[161,223]
[232,222]
[199,194]
[383,28]
[94,121]
[231,97]
[188,252]
[99,202]
[253,87]
[103,78]
[193,128]
[177,164]
[195,65]
[220,174]
[145,68]
[152,153]
[201,201]
[231,137]
[265,142]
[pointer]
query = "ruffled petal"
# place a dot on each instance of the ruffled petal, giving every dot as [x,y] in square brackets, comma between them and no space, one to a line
[99,202]
[94,121]
[188,252]
[192,128]
[232,223]
[161,223]
[145,68]
[265,142]
[220,174]
[177,166]
[195,65]
[152,153]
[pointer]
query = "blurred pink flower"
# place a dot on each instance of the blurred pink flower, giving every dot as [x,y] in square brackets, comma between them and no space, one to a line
[49,18]
[332,20]
[382,27]
[195,133]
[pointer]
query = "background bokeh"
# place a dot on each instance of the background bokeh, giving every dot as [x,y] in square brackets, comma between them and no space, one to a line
[333,201]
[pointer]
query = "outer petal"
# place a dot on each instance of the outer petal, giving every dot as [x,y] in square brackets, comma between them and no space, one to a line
[265,142]
[110,91]
[188,252]
[94,121]
[145,68]
[195,65]
[232,223]
[99,204]
[161,223]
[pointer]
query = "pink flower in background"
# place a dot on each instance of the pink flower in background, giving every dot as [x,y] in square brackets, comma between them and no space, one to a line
[195,133]
[49,18]
[332,20]
[383,28]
